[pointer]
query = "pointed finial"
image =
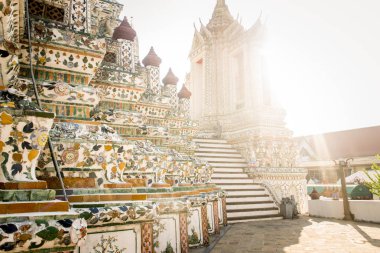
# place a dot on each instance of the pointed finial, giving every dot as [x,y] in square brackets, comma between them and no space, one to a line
[170,78]
[184,93]
[151,59]
[124,31]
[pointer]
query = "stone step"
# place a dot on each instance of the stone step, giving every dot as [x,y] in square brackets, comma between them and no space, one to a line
[229,175]
[225,181]
[215,145]
[241,187]
[245,200]
[207,156]
[241,193]
[217,150]
[248,205]
[224,160]
[209,141]
[254,218]
[251,213]
[249,199]
[252,209]
[228,170]
[228,165]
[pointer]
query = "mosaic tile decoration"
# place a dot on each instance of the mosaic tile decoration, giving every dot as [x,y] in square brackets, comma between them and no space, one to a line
[224,207]
[21,140]
[183,233]
[216,217]
[147,238]
[206,237]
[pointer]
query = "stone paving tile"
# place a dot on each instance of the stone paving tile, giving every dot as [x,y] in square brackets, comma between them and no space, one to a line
[306,234]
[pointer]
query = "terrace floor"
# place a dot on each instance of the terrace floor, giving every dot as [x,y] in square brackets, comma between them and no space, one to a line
[305,234]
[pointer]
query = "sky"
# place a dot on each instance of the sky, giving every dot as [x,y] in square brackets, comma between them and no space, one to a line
[323,56]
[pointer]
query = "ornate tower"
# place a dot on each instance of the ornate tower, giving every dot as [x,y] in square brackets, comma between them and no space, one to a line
[170,81]
[229,89]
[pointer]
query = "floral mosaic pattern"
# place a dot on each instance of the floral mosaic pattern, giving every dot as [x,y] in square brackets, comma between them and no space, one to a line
[156,131]
[119,93]
[63,92]
[10,15]
[21,140]
[206,237]
[152,111]
[43,31]
[120,118]
[61,59]
[9,26]
[183,233]
[117,215]
[154,79]
[104,20]
[147,237]
[111,158]
[127,55]
[95,147]
[79,15]
[42,234]
[120,77]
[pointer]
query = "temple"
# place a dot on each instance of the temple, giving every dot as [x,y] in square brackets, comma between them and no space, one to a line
[242,126]
[98,154]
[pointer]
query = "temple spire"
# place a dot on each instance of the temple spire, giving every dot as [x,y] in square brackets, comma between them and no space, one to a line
[221,17]
[221,3]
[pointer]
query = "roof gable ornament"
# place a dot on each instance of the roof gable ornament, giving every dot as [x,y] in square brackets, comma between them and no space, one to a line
[197,39]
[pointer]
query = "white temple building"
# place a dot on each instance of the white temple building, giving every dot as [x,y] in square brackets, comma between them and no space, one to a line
[244,135]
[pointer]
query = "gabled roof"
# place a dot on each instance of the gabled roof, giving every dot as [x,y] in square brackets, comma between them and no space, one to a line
[359,142]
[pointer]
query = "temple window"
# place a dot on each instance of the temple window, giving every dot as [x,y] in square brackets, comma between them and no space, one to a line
[110,57]
[46,11]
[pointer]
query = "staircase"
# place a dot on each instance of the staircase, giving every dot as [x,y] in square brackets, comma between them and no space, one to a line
[245,200]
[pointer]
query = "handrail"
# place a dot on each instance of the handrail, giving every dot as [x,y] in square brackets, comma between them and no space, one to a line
[35,89]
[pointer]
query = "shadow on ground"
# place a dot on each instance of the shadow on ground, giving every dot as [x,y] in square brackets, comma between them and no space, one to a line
[362,231]
[305,234]
[261,236]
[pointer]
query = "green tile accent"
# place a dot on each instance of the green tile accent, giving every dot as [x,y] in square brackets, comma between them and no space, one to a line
[26,195]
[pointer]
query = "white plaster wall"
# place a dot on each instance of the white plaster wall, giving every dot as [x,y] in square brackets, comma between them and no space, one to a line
[363,210]
[170,234]
[220,210]
[126,237]
[210,217]
[194,221]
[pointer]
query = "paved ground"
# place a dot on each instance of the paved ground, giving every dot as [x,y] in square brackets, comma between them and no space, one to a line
[305,234]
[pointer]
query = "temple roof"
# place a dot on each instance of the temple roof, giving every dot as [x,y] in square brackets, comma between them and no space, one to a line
[170,78]
[345,144]
[221,17]
[151,59]
[124,31]
[184,92]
